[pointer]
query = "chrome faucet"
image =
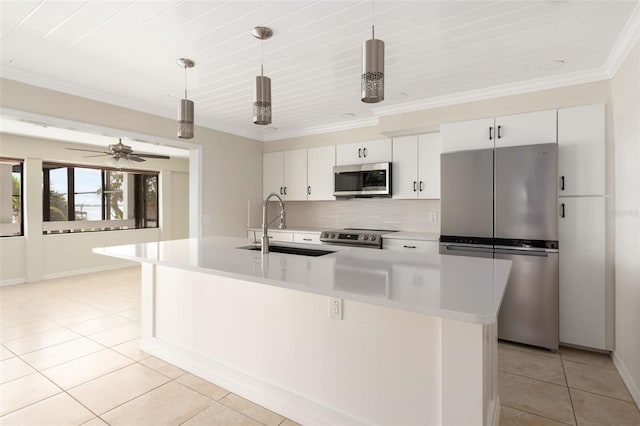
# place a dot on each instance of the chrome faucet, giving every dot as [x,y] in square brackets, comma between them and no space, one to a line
[265,220]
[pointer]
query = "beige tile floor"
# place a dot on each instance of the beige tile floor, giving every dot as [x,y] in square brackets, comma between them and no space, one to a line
[69,356]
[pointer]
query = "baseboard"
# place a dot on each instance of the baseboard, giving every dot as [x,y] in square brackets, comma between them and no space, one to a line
[13,281]
[493,417]
[89,270]
[634,388]
[279,400]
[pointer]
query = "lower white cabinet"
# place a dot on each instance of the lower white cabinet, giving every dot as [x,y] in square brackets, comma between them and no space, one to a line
[284,236]
[411,245]
[584,301]
[306,237]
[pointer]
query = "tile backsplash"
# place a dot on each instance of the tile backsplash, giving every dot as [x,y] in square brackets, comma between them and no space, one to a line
[373,213]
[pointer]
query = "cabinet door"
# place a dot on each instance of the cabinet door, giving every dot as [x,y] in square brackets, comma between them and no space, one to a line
[377,151]
[405,167]
[582,271]
[307,237]
[429,150]
[581,150]
[348,154]
[466,135]
[295,175]
[320,162]
[432,247]
[272,173]
[526,129]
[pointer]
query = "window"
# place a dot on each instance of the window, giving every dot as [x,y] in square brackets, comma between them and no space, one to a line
[80,199]
[10,197]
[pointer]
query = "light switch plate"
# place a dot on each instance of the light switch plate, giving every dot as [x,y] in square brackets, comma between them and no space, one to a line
[335,308]
[433,217]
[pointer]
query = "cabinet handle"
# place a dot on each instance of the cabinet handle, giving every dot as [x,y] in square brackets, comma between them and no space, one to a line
[562,210]
[306,239]
[359,152]
[285,190]
[421,186]
[407,246]
[499,135]
[364,151]
[309,190]
[281,191]
[415,186]
[561,183]
[490,133]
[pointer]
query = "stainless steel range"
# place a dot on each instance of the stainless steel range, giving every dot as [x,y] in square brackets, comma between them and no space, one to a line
[355,237]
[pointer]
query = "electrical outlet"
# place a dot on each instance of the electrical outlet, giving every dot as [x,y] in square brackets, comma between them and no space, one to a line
[433,217]
[335,308]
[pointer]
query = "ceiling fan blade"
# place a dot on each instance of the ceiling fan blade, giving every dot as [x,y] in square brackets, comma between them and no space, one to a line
[88,150]
[135,158]
[162,157]
[99,155]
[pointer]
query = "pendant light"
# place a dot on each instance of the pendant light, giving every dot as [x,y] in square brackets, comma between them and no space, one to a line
[372,83]
[185,121]
[262,103]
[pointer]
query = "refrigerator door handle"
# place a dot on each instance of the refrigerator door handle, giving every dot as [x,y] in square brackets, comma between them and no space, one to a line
[514,252]
[561,183]
[453,247]
[490,133]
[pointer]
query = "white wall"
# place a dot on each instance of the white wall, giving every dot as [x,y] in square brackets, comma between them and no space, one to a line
[626,118]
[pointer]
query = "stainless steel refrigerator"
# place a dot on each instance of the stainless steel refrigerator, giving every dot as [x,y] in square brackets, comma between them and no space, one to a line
[502,203]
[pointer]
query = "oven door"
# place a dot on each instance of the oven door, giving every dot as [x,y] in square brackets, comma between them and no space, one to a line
[362,180]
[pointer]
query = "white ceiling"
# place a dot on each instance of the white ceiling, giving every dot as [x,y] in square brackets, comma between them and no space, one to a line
[124,52]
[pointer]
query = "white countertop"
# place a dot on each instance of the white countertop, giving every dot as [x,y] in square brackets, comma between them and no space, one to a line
[415,236]
[455,287]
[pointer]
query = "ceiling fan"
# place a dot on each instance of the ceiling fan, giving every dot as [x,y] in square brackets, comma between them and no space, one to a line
[121,151]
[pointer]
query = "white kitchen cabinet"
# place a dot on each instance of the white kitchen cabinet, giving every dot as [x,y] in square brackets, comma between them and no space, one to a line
[526,129]
[416,166]
[378,151]
[285,173]
[320,162]
[272,173]
[581,150]
[411,245]
[283,236]
[583,298]
[295,175]
[508,130]
[307,237]
[466,135]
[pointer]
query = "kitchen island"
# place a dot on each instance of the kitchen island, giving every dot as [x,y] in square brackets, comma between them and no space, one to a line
[414,340]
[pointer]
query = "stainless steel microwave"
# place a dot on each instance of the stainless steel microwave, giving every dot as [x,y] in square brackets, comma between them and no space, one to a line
[362,180]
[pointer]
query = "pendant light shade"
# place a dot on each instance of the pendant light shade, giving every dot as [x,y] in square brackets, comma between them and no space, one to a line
[372,81]
[262,102]
[185,120]
[372,84]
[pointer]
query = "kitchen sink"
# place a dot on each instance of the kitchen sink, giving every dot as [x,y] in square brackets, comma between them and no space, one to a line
[291,250]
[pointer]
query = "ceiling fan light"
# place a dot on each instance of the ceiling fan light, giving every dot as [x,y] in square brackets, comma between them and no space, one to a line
[372,82]
[186,123]
[262,104]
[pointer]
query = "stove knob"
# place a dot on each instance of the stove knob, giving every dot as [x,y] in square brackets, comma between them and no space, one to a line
[373,238]
[366,237]
[325,234]
[333,235]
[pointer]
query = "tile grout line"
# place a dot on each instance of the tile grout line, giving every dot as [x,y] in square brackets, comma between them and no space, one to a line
[573,408]
[536,414]
[536,379]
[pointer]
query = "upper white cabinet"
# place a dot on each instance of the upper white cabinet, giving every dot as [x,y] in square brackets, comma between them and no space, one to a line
[581,150]
[378,151]
[320,162]
[508,130]
[416,166]
[272,173]
[466,135]
[285,173]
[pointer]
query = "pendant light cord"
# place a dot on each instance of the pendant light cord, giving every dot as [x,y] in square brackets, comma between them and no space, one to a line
[262,57]
[373,21]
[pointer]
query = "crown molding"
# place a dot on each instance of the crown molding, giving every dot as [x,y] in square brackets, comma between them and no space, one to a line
[315,130]
[626,41]
[562,80]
